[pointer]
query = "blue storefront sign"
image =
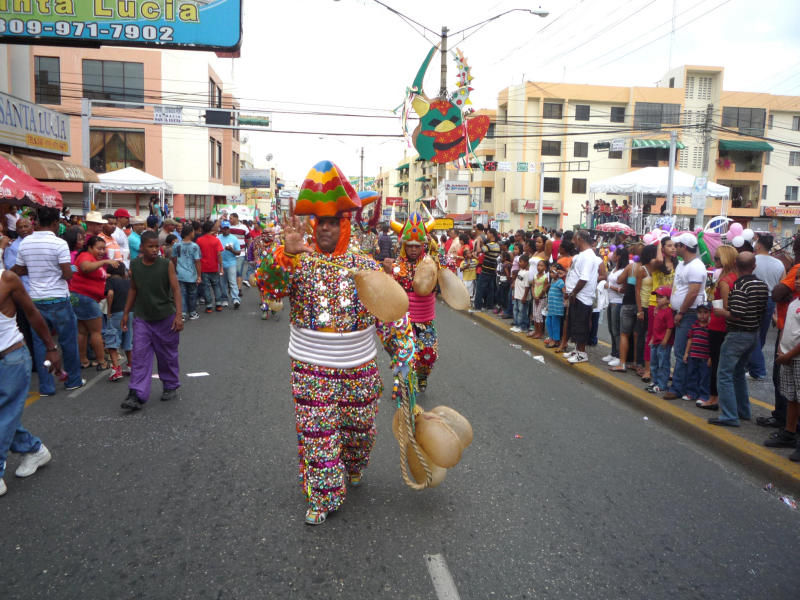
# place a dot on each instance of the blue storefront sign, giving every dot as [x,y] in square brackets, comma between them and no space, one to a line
[186,24]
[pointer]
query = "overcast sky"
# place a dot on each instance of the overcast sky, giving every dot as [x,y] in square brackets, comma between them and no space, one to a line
[356,57]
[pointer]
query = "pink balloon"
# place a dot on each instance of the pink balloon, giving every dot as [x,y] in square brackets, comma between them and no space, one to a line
[730,235]
[736,228]
[648,238]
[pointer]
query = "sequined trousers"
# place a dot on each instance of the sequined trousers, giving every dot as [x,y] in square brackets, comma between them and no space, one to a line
[335,411]
[426,342]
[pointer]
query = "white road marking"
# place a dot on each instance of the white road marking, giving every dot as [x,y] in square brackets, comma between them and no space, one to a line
[440,576]
[89,384]
[200,374]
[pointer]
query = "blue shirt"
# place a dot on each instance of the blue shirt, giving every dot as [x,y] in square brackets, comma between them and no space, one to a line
[186,253]
[228,257]
[134,241]
[10,259]
[555,299]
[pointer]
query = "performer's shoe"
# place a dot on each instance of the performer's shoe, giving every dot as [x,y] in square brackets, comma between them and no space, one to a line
[422,384]
[355,479]
[315,517]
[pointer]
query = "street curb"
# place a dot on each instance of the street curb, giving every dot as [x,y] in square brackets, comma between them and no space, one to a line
[760,461]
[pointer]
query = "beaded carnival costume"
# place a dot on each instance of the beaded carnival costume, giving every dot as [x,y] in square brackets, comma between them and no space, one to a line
[334,375]
[421,309]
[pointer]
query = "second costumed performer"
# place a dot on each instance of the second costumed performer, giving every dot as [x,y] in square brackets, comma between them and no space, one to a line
[414,247]
[335,379]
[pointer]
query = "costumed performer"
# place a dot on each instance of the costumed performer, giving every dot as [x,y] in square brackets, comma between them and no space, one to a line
[335,379]
[261,249]
[414,245]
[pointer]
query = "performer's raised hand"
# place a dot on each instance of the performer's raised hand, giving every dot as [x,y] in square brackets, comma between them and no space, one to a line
[388,265]
[293,232]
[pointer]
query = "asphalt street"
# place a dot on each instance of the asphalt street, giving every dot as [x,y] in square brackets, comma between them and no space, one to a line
[565,492]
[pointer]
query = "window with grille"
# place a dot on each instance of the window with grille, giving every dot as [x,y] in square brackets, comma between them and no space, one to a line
[47,77]
[652,115]
[615,154]
[683,158]
[550,148]
[113,80]
[487,194]
[552,184]
[704,88]
[747,120]
[769,122]
[794,159]
[552,111]
[581,150]
[581,112]
[697,157]
[688,91]
[763,192]
[791,193]
[617,114]
[796,123]
[767,157]
[235,159]
[578,186]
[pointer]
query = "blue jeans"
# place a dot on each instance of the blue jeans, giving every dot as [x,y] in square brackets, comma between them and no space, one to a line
[60,317]
[613,327]
[522,311]
[230,281]
[189,296]
[659,365]
[756,365]
[734,399]
[211,284]
[553,324]
[698,379]
[240,264]
[484,290]
[509,307]
[681,335]
[15,373]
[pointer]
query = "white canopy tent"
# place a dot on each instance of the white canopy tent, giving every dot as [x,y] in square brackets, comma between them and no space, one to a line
[132,181]
[652,181]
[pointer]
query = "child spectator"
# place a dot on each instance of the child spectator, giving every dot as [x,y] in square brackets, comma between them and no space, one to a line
[169,242]
[538,284]
[469,267]
[522,304]
[503,284]
[555,305]
[155,299]
[698,358]
[118,285]
[186,258]
[661,341]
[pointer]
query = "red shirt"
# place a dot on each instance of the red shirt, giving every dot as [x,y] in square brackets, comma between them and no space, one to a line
[716,323]
[556,246]
[661,322]
[210,247]
[92,284]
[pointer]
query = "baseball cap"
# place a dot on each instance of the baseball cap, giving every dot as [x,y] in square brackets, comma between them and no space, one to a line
[94,216]
[172,222]
[687,239]
[224,224]
[121,212]
[138,220]
[664,290]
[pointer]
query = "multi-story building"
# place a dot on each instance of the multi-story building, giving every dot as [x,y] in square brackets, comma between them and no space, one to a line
[200,162]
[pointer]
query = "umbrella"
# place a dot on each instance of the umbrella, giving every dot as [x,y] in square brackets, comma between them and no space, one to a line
[17,187]
[616,226]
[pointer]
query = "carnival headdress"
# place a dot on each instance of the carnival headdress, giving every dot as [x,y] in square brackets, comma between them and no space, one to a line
[415,229]
[326,192]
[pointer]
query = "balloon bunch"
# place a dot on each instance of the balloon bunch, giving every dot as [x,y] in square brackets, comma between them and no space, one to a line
[737,235]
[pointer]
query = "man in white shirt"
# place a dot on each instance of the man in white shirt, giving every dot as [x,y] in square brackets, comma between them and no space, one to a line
[45,259]
[688,292]
[240,230]
[581,286]
[119,235]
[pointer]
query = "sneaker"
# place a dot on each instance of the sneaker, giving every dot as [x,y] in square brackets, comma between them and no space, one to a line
[515,329]
[687,397]
[245,283]
[316,517]
[209,309]
[116,374]
[219,308]
[32,461]
[755,377]
[126,372]
[607,358]
[224,303]
[236,304]
[193,316]
[614,362]
[653,389]
[183,316]
[169,395]
[784,439]
[132,402]
[578,357]
[3,488]
[75,387]
[201,300]
[569,354]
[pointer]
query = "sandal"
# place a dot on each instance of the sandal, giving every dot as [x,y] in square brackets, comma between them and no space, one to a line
[102,367]
[316,517]
[531,334]
[86,365]
[355,479]
[707,405]
[618,369]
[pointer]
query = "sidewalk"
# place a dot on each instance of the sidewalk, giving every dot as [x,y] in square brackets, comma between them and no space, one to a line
[743,444]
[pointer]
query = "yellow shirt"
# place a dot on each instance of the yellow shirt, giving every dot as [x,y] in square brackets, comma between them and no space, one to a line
[468,269]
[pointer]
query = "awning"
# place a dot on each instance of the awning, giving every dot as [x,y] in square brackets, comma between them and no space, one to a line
[656,144]
[747,146]
[17,187]
[422,179]
[401,167]
[15,160]
[58,170]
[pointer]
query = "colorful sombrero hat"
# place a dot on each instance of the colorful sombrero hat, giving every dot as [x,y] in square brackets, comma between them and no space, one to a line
[326,192]
[368,197]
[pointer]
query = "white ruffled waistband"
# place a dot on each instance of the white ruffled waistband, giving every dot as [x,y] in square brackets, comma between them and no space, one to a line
[328,349]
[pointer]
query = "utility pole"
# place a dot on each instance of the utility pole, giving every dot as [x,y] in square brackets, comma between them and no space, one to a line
[361,178]
[541,194]
[673,144]
[86,114]
[441,171]
[698,221]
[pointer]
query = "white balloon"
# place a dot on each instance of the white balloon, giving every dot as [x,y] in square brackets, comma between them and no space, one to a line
[737,241]
[748,234]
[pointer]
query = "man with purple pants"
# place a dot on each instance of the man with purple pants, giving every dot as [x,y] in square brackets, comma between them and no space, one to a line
[155,299]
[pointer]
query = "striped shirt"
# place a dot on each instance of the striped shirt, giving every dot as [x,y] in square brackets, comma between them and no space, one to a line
[747,303]
[43,253]
[555,298]
[490,258]
[699,336]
